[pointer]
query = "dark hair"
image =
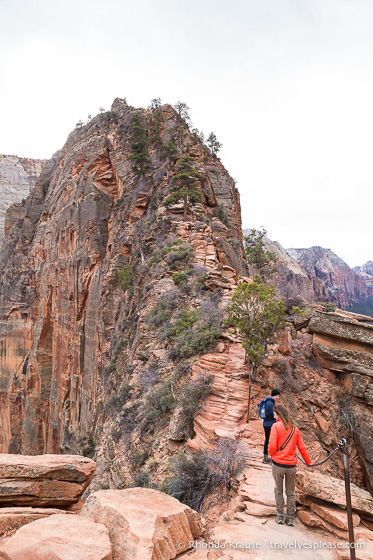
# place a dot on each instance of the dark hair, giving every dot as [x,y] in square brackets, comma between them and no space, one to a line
[284,414]
[275,392]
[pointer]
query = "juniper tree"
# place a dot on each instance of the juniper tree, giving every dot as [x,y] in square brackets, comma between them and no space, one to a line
[183,121]
[258,316]
[139,145]
[263,260]
[156,123]
[184,184]
[213,143]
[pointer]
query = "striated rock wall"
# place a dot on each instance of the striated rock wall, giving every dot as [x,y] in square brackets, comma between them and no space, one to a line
[64,316]
[17,178]
[348,289]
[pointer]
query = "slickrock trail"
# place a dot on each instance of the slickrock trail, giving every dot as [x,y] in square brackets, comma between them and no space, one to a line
[255,527]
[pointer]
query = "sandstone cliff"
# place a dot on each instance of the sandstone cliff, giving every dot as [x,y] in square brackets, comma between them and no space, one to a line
[111,308]
[17,177]
[72,337]
[348,289]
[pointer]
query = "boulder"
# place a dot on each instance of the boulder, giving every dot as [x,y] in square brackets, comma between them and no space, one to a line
[332,490]
[15,517]
[144,524]
[44,480]
[59,537]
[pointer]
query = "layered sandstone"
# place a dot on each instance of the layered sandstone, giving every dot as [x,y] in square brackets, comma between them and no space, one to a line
[59,537]
[46,480]
[144,524]
[64,317]
[17,178]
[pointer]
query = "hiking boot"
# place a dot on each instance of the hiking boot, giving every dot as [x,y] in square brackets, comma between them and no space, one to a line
[280,518]
[289,521]
[266,459]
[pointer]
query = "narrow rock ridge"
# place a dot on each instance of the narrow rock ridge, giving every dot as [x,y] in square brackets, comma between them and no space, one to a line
[62,310]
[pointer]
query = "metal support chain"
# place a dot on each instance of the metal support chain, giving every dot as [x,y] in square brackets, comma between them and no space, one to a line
[342,447]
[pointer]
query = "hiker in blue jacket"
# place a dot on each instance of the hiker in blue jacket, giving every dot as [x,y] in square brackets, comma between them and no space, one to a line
[269,420]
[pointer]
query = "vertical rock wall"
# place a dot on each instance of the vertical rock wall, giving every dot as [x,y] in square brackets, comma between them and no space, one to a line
[61,304]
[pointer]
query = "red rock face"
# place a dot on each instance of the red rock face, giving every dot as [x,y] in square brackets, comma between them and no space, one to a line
[61,305]
[347,288]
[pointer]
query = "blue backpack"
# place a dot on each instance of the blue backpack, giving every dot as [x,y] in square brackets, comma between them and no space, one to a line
[262,408]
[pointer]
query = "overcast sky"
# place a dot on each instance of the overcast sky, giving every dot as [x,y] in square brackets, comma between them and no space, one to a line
[286,85]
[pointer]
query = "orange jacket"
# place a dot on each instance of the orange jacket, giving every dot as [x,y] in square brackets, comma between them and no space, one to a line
[288,455]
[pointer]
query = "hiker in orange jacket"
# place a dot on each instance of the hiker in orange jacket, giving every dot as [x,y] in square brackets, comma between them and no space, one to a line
[284,439]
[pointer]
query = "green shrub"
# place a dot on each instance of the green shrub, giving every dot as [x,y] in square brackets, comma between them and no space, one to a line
[159,402]
[191,397]
[195,476]
[141,479]
[161,313]
[221,214]
[168,149]
[181,277]
[112,366]
[328,307]
[199,281]
[126,278]
[159,254]
[298,312]
[90,446]
[194,331]
[179,256]
[185,321]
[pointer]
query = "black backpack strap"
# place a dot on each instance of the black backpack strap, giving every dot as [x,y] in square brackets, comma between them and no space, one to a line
[287,440]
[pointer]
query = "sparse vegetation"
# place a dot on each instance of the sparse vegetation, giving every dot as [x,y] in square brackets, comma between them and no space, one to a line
[159,254]
[181,277]
[298,312]
[213,144]
[327,306]
[141,479]
[126,278]
[118,400]
[139,145]
[161,313]
[195,476]
[263,260]
[159,402]
[194,331]
[221,214]
[89,448]
[178,256]
[191,397]
[184,184]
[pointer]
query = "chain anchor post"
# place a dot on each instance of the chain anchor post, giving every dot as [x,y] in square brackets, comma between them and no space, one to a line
[343,448]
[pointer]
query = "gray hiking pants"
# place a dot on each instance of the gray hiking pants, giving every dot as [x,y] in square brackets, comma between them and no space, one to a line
[279,473]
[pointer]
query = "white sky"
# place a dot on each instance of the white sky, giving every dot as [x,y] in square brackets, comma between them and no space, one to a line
[286,85]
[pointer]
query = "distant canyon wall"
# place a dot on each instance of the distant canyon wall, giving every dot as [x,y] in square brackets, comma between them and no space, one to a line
[17,178]
[317,274]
